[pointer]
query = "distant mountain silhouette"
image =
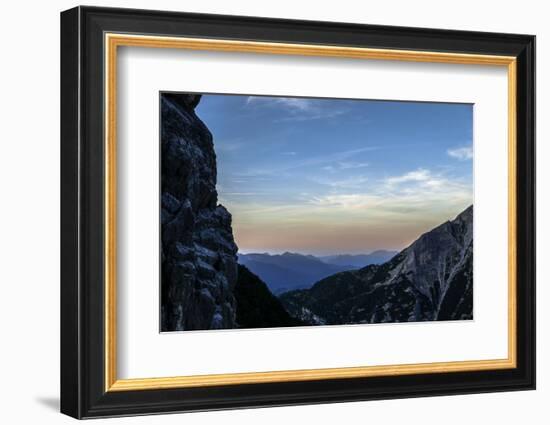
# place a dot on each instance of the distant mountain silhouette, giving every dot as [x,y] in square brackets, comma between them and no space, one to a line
[288,271]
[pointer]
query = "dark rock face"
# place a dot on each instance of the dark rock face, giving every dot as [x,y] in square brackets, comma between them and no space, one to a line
[432,279]
[257,307]
[198,253]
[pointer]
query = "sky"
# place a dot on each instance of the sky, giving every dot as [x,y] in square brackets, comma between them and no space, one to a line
[333,176]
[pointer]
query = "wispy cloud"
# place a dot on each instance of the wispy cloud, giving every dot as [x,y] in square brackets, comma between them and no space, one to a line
[352,165]
[297,109]
[418,175]
[354,182]
[347,201]
[423,192]
[318,115]
[292,103]
[297,104]
[420,191]
[462,154]
[367,211]
[417,189]
[420,180]
[333,159]
[385,207]
[242,193]
[344,165]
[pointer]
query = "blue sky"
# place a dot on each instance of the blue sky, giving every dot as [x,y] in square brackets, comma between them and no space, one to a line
[338,176]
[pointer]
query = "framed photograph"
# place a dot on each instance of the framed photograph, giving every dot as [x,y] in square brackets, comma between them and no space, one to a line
[261,212]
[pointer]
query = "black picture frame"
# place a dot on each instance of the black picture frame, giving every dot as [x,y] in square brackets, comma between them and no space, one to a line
[83,392]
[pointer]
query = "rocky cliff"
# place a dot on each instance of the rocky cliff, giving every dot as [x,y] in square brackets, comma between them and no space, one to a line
[198,253]
[432,279]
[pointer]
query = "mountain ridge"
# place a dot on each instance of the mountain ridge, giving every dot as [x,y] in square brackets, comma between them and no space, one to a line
[291,270]
[360,260]
[431,279]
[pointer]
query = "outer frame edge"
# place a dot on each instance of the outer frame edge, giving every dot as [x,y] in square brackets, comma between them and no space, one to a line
[103,405]
[70,349]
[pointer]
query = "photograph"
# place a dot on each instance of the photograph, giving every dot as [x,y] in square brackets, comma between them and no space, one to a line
[281,211]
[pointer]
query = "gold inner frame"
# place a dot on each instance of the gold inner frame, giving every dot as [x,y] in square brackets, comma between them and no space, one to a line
[113,41]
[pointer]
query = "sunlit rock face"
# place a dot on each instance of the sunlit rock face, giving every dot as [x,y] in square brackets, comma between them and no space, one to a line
[432,279]
[198,252]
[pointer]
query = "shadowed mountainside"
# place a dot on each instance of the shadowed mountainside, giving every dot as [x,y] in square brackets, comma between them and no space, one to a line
[257,307]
